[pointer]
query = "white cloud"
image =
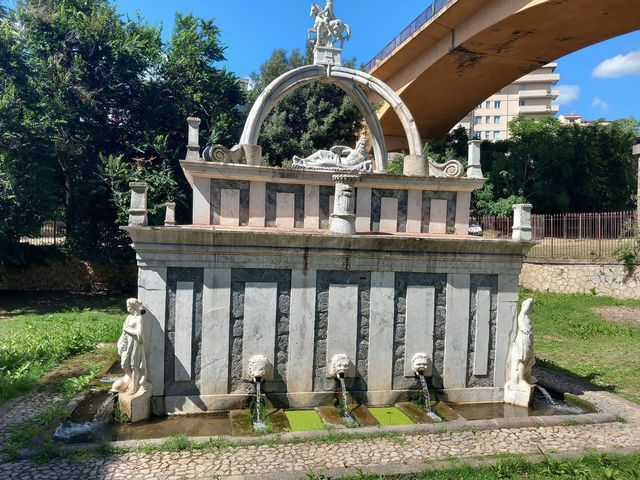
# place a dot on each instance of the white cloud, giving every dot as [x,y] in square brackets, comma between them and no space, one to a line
[568,94]
[619,66]
[599,103]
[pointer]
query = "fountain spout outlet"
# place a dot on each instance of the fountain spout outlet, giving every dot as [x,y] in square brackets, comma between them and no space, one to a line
[421,364]
[339,366]
[258,368]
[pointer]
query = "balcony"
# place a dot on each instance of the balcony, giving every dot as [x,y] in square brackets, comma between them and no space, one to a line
[552,78]
[551,94]
[540,109]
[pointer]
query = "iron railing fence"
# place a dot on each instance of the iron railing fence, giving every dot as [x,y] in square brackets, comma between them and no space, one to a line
[431,11]
[570,235]
[52,232]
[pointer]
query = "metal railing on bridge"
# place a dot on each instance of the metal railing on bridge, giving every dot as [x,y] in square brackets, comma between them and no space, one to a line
[431,11]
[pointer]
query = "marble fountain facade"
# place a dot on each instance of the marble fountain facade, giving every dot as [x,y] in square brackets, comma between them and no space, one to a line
[266,269]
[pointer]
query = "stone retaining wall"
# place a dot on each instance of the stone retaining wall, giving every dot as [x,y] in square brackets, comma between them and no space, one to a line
[574,276]
[68,274]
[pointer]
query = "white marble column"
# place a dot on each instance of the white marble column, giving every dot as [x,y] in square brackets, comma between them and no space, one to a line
[438,216]
[342,328]
[201,201]
[152,292]
[420,324]
[312,206]
[414,211]
[483,328]
[382,308]
[456,331]
[463,205]
[302,321]
[506,324]
[184,331]
[363,210]
[216,308]
[259,333]
[257,202]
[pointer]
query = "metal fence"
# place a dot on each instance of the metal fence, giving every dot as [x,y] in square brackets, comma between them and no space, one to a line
[52,232]
[570,235]
[413,27]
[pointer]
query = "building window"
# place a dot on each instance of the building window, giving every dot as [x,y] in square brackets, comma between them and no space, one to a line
[496,135]
[487,119]
[523,86]
[487,104]
[496,119]
[523,103]
[487,135]
[478,119]
[479,105]
[497,104]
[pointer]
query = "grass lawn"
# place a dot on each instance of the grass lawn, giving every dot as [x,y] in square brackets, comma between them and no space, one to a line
[591,467]
[571,337]
[35,340]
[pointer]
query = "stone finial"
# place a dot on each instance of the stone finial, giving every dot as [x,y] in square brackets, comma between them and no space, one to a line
[138,205]
[522,222]
[474,169]
[170,214]
[193,147]
[343,218]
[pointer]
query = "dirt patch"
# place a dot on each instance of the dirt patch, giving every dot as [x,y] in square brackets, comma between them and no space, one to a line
[79,365]
[619,314]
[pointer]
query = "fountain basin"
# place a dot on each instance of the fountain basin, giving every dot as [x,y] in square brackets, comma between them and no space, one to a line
[387,416]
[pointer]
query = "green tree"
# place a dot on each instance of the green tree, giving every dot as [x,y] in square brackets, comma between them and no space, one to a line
[27,183]
[90,65]
[315,116]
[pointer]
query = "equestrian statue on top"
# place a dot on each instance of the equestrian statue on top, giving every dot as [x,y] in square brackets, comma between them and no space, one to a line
[327,29]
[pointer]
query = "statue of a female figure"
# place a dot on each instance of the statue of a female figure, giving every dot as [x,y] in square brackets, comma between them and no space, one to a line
[338,158]
[131,350]
[522,355]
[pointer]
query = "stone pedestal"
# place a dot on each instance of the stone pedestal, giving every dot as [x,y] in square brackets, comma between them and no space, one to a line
[170,214]
[327,56]
[193,148]
[518,394]
[416,166]
[137,406]
[138,203]
[522,222]
[474,169]
[344,206]
[253,154]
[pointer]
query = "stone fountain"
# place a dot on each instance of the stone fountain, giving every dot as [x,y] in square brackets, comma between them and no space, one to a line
[332,256]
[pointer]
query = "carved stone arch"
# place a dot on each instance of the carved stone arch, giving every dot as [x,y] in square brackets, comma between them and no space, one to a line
[348,80]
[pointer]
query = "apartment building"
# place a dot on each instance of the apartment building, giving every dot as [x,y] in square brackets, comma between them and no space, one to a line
[531,95]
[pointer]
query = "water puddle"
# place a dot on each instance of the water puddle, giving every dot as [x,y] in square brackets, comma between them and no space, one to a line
[541,407]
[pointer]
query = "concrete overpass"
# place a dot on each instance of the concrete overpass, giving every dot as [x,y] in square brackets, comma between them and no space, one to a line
[463,51]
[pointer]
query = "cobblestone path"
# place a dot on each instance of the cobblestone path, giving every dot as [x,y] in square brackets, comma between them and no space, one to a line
[296,459]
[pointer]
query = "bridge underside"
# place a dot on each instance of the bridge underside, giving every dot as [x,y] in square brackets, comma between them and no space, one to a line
[477,47]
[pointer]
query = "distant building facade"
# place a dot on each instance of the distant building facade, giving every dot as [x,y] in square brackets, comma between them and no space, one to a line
[575,119]
[531,96]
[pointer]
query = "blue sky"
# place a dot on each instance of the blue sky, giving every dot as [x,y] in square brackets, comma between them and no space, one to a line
[599,81]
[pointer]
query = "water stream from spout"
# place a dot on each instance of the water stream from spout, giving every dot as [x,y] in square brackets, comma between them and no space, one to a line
[105,410]
[546,394]
[258,423]
[346,416]
[427,399]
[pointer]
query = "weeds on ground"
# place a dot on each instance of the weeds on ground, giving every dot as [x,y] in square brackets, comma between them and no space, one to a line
[30,345]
